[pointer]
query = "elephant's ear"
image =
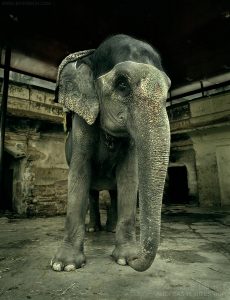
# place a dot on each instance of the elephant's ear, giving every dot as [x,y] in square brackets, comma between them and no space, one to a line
[76,90]
[168,81]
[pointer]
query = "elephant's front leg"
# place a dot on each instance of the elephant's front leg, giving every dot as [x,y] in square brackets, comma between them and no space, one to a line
[127,185]
[80,142]
[70,255]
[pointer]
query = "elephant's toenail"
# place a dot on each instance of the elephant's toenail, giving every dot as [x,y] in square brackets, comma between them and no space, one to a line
[121,261]
[57,267]
[69,268]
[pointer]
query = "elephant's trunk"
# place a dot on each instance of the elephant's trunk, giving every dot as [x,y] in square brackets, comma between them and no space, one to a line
[152,139]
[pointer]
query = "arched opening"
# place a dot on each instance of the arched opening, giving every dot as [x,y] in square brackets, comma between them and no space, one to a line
[177,191]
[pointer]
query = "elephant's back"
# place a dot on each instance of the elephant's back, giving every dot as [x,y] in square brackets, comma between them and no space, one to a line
[120,48]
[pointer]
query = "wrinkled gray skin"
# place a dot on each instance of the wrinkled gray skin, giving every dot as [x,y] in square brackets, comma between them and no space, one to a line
[118,93]
[94,209]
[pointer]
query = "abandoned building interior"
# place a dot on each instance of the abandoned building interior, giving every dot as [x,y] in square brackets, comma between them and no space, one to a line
[193,39]
[35,168]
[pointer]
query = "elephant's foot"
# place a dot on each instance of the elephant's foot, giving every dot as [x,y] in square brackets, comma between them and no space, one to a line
[67,259]
[93,226]
[124,253]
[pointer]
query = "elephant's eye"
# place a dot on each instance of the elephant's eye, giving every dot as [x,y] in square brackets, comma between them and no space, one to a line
[122,85]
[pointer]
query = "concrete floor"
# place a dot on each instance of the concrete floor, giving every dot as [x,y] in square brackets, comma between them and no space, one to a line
[193,261]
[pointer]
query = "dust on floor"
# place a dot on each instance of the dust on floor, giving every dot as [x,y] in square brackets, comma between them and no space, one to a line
[193,261]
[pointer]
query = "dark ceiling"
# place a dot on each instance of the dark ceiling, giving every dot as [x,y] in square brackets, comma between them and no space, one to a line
[192,36]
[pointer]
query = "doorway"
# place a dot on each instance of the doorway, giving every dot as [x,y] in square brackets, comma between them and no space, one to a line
[177,186]
[6,203]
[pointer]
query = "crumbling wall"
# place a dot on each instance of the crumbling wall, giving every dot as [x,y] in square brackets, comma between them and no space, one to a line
[35,138]
[40,171]
[50,174]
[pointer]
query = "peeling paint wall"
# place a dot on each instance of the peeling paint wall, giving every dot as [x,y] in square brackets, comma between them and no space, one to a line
[50,173]
[40,173]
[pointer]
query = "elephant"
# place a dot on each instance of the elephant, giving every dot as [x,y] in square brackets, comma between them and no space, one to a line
[120,139]
[94,212]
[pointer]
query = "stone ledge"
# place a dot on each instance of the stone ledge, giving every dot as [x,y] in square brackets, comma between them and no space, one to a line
[212,105]
[34,109]
[27,101]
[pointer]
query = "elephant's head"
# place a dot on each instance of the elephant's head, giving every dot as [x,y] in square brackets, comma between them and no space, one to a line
[131,97]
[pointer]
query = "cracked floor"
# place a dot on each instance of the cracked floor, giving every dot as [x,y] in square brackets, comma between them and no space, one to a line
[193,260]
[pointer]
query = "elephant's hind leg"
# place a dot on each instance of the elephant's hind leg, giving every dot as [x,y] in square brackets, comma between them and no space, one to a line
[94,212]
[111,222]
